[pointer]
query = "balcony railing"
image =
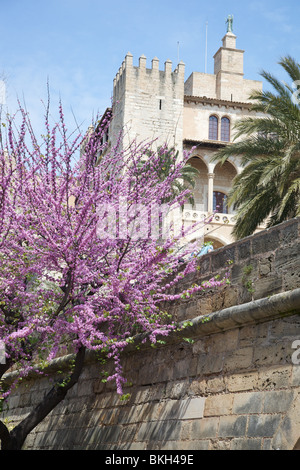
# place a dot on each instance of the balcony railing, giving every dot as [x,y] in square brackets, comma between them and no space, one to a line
[218,218]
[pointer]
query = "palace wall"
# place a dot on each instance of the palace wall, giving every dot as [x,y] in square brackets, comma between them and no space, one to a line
[235,386]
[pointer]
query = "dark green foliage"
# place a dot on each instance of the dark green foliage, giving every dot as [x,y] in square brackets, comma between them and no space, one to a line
[268,188]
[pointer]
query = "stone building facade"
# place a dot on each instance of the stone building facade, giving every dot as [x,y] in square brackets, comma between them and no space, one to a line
[196,114]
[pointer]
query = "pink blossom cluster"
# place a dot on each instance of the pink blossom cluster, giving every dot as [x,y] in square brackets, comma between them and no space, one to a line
[61,285]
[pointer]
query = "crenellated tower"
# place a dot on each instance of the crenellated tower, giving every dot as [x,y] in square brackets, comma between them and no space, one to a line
[148,102]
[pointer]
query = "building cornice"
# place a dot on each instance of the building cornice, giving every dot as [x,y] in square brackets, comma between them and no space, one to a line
[205,143]
[241,51]
[217,102]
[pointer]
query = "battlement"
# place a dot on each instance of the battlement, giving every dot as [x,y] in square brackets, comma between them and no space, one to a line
[128,69]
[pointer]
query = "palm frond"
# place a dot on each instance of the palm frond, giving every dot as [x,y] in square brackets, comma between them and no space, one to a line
[268,188]
[291,67]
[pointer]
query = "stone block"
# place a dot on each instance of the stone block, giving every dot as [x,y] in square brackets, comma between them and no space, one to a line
[240,359]
[267,444]
[221,258]
[232,426]
[271,355]
[291,279]
[206,428]
[191,309]
[161,431]
[265,266]
[197,387]
[248,403]
[24,400]
[204,305]
[194,445]
[186,430]
[273,378]
[14,402]
[266,286]
[295,380]
[85,388]
[189,408]
[289,233]
[238,272]
[263,425]
[287,435]
[210,364]
[29,442]
[246,444]
[199,346]
[220,444]
[177,390]
[241,382]
[218,405]
[169,409]
[231,296]
[227,341]
[247,336]
[185,368]
[278,401]
[156,392]
[192,408]
[107,434]
[244,250]
[266,241]
[286,329]
[287,257]
[216,385]
[205,265]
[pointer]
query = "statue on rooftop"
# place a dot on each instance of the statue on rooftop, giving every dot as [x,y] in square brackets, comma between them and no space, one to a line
[229,22]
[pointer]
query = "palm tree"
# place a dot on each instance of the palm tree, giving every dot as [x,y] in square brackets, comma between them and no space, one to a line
[268,188]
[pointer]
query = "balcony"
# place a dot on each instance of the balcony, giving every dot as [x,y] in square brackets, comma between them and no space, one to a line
[218,218]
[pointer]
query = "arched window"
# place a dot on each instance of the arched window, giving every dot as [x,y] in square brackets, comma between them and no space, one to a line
[225,129]
[213,128]
[220,202]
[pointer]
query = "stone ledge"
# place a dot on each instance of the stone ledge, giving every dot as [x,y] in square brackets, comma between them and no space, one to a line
[256,311]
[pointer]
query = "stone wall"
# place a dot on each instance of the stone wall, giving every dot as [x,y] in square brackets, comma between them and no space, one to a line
[235,385]
[260,265]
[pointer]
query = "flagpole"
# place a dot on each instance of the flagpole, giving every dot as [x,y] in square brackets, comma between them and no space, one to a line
[206,47]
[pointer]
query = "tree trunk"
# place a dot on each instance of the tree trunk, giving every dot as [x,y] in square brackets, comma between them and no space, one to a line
[14,440]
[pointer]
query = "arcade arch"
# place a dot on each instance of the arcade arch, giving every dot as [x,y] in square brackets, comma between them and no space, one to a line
[223,180]
[212,184]
[200,188]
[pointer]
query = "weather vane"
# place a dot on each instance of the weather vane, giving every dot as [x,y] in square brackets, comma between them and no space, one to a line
[229,22]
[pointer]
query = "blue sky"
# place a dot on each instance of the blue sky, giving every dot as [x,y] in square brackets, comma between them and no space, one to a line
[79,45]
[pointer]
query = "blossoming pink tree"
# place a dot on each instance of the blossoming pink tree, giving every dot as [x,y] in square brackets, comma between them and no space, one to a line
[83,260]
